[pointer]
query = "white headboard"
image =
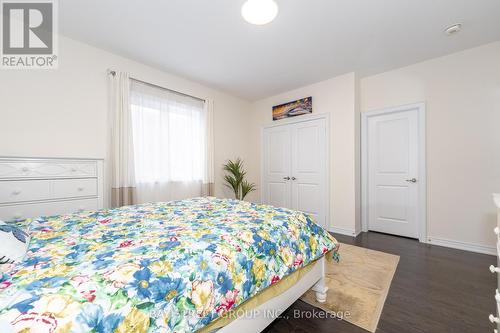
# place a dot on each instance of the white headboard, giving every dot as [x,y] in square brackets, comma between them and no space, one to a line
[31,187]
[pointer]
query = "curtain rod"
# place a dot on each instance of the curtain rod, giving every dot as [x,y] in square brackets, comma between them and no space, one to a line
[111,72]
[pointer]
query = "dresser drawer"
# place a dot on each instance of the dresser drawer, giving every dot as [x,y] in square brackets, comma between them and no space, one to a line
[47,169]
[24,190]
[21,212]
[73,188]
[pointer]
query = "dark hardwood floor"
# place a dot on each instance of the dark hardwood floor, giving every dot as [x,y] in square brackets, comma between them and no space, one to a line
[435,289]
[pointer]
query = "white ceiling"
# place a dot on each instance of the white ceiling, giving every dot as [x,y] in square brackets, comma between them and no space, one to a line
[310,40]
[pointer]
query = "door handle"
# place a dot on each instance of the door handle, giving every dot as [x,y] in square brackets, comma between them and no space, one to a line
[286,178]
[413,180]
[293,178]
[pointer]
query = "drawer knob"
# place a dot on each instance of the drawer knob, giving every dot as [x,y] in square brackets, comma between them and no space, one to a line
[18,217]
[80,189]
[494,269]
[73,169]
[25,169]
[81,209]
[16,192]
[493,319]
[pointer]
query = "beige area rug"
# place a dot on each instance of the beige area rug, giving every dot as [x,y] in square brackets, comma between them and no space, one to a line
[358,285]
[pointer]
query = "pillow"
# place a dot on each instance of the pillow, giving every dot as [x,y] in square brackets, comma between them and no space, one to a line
[13,243]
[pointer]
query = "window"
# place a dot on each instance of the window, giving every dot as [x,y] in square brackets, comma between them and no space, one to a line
[169,136]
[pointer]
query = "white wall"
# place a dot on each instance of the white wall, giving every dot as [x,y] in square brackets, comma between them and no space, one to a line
[337,97]
[63,112]
[462,95]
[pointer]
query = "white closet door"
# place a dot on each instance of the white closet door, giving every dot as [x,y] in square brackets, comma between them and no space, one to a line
[308,166]
[276,166]
[294,168]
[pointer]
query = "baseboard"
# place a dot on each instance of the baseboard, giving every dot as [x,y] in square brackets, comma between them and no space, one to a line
[462,246]
[344,231]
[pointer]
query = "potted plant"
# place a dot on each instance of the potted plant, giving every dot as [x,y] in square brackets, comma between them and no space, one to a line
[235,179]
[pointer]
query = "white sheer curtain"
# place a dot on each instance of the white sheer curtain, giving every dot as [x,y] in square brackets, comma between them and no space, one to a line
[121,146]
[172,144]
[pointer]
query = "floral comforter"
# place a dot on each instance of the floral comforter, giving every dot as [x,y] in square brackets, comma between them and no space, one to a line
[170,267]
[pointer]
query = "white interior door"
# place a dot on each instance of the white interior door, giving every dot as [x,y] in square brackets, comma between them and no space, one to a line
[276,166]
[295,166]
[393,169]
[308,177]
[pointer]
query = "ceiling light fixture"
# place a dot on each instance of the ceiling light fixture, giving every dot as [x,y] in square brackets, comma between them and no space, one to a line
[259,12]
[453,29]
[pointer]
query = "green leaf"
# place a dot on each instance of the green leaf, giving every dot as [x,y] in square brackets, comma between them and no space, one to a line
[145,306]
[235,178]
[119,299]
[184,304]
[246,188]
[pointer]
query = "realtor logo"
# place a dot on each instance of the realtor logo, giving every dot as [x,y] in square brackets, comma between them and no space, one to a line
[29,36]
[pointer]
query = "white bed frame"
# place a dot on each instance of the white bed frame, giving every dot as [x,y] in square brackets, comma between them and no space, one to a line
[259,318]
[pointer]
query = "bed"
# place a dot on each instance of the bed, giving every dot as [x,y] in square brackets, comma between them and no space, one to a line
[171,267]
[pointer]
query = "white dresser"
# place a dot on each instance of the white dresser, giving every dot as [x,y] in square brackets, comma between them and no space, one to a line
[31,187]
[495,319]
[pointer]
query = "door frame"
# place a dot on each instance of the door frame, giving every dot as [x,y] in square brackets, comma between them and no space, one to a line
[422,166]
[295,120]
